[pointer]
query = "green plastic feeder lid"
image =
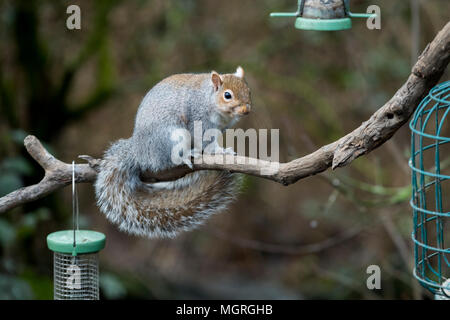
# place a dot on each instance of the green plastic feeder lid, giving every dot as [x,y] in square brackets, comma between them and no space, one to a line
[87,241]
[323,24]
[320,15]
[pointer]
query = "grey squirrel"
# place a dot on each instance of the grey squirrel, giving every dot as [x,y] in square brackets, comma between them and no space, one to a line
[163,209]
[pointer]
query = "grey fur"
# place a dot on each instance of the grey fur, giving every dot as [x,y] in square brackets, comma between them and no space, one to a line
[164,209]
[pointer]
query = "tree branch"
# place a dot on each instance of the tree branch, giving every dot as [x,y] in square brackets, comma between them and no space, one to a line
[380,127]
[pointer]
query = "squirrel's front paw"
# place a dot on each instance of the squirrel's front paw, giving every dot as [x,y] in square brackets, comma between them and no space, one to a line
[193,153]
[220,150]
[188,162]
[230,151]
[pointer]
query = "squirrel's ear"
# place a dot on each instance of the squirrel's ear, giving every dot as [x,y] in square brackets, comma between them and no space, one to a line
[239,72]
[216,80]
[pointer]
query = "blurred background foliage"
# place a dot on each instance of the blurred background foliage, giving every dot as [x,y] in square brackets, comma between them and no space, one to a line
[78,90]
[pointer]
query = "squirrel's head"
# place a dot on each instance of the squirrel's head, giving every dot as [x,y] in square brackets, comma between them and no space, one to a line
[231,93]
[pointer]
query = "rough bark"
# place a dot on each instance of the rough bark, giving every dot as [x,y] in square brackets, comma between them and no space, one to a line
[380,127]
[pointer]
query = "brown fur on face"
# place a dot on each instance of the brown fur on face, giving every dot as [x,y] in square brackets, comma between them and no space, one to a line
[241,100]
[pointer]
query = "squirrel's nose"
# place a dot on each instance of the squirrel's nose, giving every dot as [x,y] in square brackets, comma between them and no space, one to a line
[244,109]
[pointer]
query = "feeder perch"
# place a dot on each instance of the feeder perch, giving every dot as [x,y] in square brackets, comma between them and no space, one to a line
[323,15]
[75,263]
[430,201]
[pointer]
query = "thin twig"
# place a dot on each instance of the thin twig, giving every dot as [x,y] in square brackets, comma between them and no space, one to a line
[289,249]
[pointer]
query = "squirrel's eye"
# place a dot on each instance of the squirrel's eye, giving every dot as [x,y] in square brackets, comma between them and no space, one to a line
[227,95]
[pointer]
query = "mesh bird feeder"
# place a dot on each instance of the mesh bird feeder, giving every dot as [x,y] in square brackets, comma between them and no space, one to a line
[323,15]
[75,263]
[75,258]
[430,165]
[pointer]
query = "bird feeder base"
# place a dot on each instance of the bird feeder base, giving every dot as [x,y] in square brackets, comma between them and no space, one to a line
[323,24]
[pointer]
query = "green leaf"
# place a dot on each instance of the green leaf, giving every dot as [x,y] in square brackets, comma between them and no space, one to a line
[41,286]
[31,219]
[112,287]
[17,165]
[7,233]
[9,182]
[18,136]
[13,288]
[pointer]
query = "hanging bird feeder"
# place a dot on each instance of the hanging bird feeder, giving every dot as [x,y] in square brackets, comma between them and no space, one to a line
[75,258]
[75,264]
[430,191]
[323,15]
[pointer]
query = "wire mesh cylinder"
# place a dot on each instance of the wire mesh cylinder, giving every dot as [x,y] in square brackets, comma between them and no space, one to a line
[75,277]
[75,263]
[430,165]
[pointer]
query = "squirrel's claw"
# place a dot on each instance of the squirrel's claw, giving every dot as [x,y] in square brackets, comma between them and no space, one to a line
[193,153]
[220,150]
[230,151]
[188,162]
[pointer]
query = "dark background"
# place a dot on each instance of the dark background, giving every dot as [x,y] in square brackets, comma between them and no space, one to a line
[78,90]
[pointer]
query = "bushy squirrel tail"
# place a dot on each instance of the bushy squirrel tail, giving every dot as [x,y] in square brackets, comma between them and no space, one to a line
[146,209]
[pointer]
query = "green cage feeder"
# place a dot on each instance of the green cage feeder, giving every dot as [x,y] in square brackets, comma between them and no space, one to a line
[323,15]
[75,263]
[430,166]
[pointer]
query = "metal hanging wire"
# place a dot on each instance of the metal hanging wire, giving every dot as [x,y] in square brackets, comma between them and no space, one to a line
[75,257]
[75,207]
[75,214]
